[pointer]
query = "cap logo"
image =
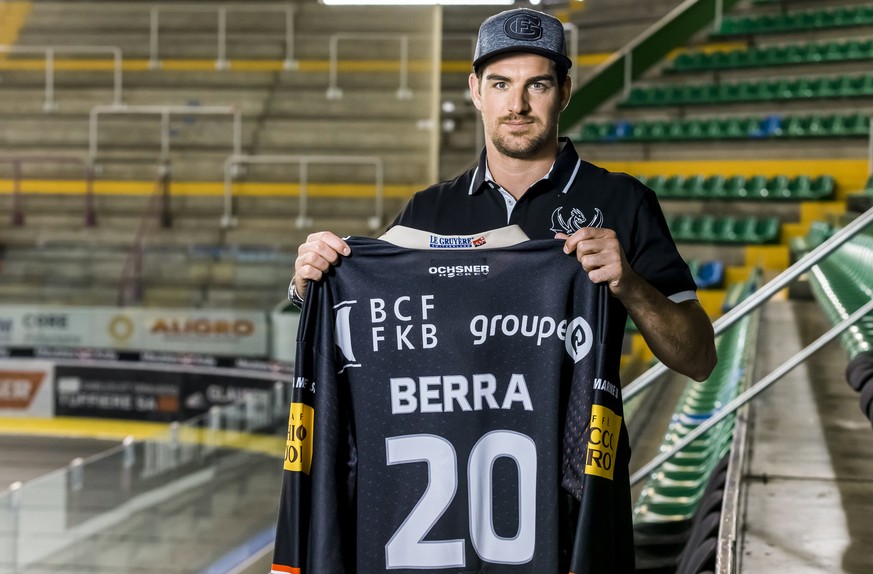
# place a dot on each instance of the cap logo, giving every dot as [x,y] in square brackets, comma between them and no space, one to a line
[523,27]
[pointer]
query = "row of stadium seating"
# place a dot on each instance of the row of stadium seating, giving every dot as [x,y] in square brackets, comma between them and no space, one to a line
[752,91]
[773,126]
[842,283]
[782,55]
[698,187]
[678,511]
[723,229]
[796,21]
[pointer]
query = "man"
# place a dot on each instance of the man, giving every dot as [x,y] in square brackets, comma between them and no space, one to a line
[526,175]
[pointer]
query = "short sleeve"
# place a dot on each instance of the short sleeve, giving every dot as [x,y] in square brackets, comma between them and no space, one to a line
[655,256]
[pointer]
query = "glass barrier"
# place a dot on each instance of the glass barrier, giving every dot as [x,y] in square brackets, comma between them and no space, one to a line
[186,500]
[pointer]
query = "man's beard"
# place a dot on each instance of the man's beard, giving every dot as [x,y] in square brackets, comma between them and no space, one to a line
[522,146]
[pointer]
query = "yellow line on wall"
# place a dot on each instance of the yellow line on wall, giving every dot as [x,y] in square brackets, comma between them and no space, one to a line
[91,64]
[205,188]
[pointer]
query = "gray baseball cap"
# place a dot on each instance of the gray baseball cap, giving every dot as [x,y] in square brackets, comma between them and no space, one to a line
[521,30]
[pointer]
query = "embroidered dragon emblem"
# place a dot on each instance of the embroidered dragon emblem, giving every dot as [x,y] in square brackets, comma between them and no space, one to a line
[575,221]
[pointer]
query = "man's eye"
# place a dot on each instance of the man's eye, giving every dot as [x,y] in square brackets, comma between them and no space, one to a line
[538,86]
[500,85]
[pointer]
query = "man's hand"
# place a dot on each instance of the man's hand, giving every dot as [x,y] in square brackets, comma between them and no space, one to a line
[679,334]
[601,255]
[315,257]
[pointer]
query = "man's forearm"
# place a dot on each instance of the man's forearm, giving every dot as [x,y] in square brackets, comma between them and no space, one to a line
[679,334]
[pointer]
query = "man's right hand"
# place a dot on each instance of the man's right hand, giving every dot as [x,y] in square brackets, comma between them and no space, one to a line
[315,257]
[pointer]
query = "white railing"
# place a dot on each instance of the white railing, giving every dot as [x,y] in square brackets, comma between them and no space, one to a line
[49,51]
[303,220]
[334,92]
[221,62]
[164,112]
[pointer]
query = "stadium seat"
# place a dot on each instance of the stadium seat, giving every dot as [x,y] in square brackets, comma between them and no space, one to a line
[776,188]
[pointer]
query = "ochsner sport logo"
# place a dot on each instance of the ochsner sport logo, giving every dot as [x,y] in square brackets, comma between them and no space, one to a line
[576,333]
[458,270]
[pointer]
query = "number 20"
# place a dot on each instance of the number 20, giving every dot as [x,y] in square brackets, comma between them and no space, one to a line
[407,548]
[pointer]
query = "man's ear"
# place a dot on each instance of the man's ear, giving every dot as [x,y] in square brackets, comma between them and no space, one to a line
[473,82]
[566,92]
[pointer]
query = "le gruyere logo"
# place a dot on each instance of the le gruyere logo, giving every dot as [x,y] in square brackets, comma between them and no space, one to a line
[602,442]
[298,446]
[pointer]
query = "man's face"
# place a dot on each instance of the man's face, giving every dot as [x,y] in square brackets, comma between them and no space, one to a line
[520,100]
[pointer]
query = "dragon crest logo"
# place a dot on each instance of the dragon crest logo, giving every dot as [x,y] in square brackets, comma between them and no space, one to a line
[575,221]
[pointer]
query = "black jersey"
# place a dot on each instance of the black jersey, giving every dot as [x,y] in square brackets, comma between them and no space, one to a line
[455,411]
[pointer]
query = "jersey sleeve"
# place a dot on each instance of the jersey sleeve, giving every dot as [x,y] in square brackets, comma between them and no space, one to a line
[313,531]
[596,455]
[655,256]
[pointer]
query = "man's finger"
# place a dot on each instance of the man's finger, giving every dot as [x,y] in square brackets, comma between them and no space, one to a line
[326,238]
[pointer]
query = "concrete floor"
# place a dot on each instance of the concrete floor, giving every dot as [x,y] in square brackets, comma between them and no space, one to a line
[808,487]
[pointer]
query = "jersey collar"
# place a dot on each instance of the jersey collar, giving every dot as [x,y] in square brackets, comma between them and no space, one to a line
[562,174]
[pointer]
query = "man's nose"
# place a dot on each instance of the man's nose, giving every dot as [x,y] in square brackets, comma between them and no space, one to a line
[518,102]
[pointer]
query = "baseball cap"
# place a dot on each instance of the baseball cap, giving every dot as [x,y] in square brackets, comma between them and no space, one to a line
[521,30]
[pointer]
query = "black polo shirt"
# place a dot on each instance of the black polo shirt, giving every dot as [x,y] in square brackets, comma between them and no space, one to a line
[573,195]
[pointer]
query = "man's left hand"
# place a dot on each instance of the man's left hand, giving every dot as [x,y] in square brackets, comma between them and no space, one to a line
[601,255]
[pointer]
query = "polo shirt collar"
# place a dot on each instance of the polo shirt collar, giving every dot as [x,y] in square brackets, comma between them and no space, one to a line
[562,173]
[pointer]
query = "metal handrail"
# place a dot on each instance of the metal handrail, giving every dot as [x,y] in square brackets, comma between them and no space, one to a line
[50,105]
[228,219]
[221,62]
[165,112]
[17,201]
[763,294]
[754,391]
[334,92]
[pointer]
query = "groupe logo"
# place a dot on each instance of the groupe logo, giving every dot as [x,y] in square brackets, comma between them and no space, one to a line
[451,271]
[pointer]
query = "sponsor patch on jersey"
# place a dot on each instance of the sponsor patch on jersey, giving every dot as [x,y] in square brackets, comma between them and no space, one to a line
[298,446]
[441,242]
[459,268]
[603,437]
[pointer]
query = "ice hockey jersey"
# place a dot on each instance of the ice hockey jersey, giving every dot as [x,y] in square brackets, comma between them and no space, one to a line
[455,411]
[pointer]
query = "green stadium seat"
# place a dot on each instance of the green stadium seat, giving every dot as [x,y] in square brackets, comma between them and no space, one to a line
[836,51]
[690,61]
[704,228]
[800,188]
[656,184]
[822,186]
[659,130]
[776,188]
[746,230]
[722,231]
[673,186]
[752,187]
[713,187]
[863,85]
[733,186]
[695,187]
[869,187]
[682,227]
